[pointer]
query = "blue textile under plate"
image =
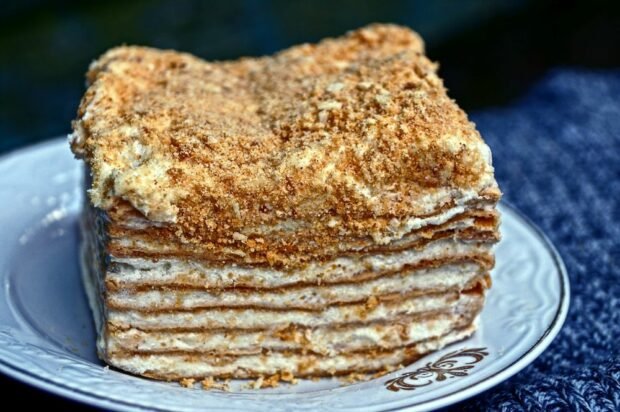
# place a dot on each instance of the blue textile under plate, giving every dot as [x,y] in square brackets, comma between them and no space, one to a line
[557,158]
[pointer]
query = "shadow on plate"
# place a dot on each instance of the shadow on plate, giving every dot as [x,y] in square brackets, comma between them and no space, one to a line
[52,301]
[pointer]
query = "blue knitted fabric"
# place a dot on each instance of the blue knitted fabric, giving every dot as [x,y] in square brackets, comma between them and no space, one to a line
[557,159]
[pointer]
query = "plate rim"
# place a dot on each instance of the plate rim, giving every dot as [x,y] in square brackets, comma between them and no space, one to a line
[535,350]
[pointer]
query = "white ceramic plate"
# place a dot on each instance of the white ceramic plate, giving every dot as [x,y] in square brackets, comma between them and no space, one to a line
[47,337]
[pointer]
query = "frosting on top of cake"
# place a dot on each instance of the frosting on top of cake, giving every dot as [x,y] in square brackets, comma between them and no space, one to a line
[355,126]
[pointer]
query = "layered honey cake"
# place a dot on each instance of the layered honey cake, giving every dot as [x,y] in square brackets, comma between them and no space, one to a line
[324,211]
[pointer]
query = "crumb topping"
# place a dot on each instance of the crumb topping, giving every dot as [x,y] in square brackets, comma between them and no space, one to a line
[187,382]
[211,383]
[355,126]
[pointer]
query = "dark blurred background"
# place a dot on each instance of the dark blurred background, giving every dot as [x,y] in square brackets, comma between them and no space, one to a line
[490,51]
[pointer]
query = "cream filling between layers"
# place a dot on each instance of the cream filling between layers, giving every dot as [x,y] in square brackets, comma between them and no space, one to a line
[327,341]
[345,245]
[401,227]
[268,319]
[311,297]
[398,228]
[135,271]
[170,366]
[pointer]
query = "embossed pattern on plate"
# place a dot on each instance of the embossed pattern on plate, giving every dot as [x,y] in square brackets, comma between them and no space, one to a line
[47,337]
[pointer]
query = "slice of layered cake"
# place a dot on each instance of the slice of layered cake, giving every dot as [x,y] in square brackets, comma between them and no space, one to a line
[328,210]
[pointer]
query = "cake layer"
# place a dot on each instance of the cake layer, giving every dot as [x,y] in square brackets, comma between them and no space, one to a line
[326,340]
[452,277]
[295,251]
[176,366]
[126,219]
[139,273]
[293,258]
[341,242]
[340,330]
[374,309]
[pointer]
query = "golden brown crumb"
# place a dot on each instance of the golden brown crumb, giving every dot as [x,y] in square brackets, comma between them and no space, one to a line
[273,381]
[354,377]
[208,382]
[372,302]
[256,384]
[287,376]
[187,382]
[211,383]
